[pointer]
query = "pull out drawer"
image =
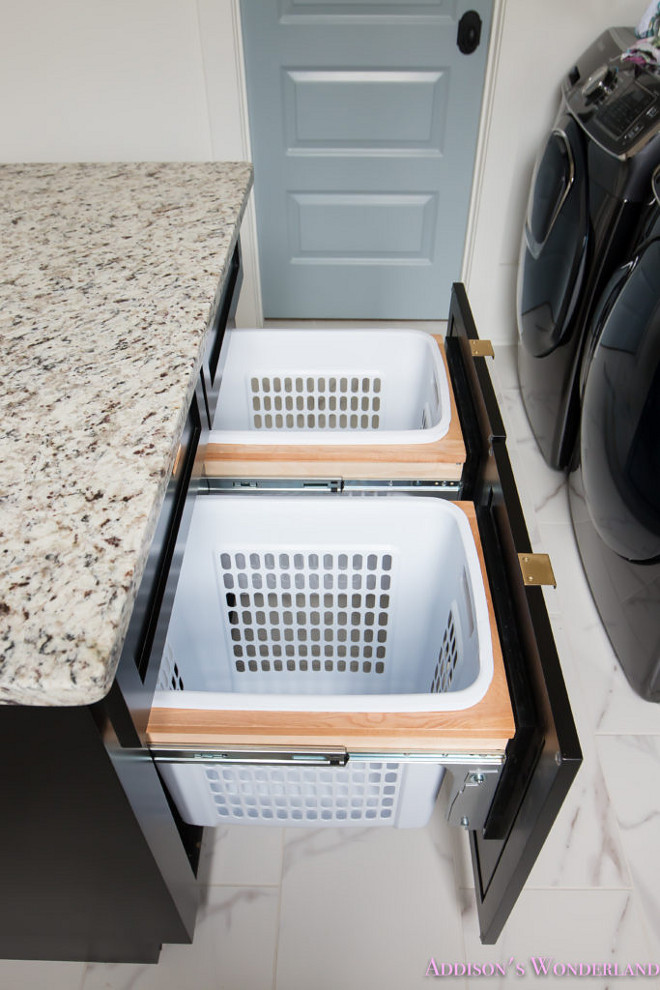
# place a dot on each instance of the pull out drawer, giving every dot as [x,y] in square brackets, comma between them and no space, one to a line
[344,405]
[350,642]
[360,623]
[509,751]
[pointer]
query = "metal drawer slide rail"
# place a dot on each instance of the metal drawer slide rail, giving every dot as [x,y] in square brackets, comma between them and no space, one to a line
[300,486]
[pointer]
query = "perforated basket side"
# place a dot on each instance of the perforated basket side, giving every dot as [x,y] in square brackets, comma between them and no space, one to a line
[308,619]
[449,654]
[361,793]
[334,400]
[376,602]
[170,676]
[369,386]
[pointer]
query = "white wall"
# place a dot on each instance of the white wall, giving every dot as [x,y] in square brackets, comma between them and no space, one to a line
[102,80]
[539,41]
[161,80]
[126,80]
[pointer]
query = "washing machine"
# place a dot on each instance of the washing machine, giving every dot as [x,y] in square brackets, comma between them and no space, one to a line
[615,488]
[590,186]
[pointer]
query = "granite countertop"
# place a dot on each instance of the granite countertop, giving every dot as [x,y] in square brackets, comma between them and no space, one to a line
[108,275]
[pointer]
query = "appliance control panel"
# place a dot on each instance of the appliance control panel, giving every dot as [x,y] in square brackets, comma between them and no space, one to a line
[618,105]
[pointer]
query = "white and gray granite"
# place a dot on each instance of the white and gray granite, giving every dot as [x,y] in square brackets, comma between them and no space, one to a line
[107,278]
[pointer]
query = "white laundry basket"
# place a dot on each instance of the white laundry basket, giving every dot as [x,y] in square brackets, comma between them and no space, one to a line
[361,793]
[324,604]
[339,387]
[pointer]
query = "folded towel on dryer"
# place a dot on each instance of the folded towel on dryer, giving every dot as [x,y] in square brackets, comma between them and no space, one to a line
[646,51]
[649,25]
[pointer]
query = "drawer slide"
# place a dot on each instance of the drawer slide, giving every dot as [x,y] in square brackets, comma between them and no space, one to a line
[337,757]
[472,777]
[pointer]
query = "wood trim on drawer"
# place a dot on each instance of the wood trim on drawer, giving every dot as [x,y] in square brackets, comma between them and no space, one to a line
[441,460]
[486,727]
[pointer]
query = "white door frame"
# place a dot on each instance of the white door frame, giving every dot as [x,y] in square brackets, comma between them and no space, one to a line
[492,68]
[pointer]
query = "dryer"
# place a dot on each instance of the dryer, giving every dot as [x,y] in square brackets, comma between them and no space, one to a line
[615,490]
[590,186]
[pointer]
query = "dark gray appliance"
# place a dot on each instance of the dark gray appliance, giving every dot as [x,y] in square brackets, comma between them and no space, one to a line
[615,490]
[590,185]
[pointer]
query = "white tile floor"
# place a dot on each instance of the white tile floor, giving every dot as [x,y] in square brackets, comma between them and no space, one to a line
[367,909]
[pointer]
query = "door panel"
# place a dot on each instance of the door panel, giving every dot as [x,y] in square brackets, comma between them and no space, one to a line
[348,11]
[364,227]
[364,122]
[544,755]
[402,110]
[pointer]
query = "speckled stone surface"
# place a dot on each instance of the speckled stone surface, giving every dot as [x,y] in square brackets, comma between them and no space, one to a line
[108,275]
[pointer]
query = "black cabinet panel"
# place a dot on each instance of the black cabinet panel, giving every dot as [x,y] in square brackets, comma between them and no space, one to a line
[544,755]
[79,879]
[95,864]
[224,310]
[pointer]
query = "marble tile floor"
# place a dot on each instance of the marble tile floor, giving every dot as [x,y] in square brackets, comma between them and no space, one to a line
[366,909]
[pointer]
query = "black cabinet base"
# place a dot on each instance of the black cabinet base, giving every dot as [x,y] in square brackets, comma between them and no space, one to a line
[92,864]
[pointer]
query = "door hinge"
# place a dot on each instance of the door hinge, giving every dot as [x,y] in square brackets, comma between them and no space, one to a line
[481,348]
[537,569]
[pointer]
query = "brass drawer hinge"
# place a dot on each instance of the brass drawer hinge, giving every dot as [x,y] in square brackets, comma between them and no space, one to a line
[481,348]
[537,569]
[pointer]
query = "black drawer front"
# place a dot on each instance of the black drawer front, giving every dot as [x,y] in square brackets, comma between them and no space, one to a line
[544,755]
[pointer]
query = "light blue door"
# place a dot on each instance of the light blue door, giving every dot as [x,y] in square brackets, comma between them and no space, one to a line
[363,120]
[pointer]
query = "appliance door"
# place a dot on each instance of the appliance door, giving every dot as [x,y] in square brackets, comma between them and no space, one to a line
[553,282]
[554,245]
[620,454]
[615,496]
